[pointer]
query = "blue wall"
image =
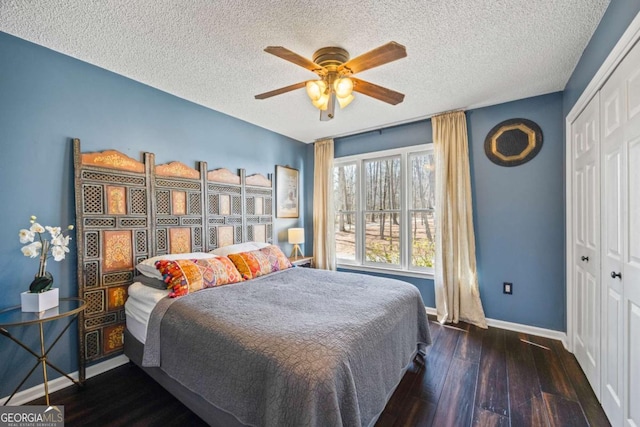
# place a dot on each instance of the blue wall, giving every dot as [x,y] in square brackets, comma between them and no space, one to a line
[613,24]
[384,139]
[518,212]
[519,218]
[46,98]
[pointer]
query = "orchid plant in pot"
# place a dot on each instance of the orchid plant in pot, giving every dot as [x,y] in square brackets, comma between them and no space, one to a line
[37,245]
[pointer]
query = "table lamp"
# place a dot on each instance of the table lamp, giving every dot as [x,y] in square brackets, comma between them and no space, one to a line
[296,236]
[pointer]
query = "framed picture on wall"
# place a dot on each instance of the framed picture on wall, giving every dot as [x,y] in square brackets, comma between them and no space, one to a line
[287,192]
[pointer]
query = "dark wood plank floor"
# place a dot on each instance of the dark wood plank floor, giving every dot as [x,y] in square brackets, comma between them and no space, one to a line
[472,377]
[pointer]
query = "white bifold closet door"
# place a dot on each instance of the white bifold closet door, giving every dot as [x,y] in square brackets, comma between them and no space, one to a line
[585,133]
[620,242]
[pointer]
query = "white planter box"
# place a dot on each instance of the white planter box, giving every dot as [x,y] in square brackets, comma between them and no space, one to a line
[39,302]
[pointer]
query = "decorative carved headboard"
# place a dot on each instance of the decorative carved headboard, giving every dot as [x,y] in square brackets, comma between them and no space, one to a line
[128,211]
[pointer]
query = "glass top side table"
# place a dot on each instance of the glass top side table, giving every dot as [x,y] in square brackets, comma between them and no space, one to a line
[69,308]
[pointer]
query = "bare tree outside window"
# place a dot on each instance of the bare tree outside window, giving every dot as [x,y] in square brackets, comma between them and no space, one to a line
[345,202]
[421,208]
[382,223]
[385,225]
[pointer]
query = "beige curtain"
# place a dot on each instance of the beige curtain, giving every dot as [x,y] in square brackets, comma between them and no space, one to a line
[456,280]
[324,248]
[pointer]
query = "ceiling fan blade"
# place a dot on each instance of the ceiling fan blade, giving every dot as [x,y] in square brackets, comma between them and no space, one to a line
[378,56]
[287,55]
[281,90]
[378,92]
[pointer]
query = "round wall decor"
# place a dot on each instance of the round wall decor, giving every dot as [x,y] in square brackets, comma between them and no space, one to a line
[513,142]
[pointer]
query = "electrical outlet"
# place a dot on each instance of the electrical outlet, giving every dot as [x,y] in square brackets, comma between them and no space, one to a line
[507,288]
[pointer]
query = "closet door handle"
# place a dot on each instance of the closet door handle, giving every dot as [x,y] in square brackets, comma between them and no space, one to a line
[614,275]
[585,258]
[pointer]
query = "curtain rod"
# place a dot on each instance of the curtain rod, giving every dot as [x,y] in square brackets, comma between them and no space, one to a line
[389,126]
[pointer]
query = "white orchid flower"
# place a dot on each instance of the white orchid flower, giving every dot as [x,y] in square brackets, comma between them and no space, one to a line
[55,247]
[58,252]
[26,236]
[37,228]
[54,231]
[60,240]
[32,250]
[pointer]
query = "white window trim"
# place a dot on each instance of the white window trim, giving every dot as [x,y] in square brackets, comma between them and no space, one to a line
[390,271]
[404,269]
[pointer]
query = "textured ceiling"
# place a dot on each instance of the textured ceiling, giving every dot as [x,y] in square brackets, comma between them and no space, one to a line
[461,53]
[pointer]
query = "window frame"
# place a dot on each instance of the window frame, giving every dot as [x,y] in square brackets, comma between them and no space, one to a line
[404,268]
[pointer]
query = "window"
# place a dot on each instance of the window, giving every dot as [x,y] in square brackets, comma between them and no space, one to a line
[345,183]
[384,206]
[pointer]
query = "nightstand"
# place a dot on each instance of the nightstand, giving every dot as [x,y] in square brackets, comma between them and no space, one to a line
[306,261]
[69,308]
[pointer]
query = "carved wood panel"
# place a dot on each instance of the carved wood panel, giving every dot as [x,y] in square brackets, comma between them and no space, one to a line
[177,212]
[112,222]
[128,211]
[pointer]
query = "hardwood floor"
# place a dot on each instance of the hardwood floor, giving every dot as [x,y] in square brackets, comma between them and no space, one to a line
[494,377]
[472,377]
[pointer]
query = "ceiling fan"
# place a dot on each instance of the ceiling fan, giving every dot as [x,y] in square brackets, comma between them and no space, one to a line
[336,70]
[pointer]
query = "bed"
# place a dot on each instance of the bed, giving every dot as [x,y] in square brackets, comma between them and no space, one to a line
[294,347]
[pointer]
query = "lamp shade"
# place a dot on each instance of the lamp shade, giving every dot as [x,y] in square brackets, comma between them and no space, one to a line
[345,101]
[296,235]
[322,103]
[315,89]
[343,87]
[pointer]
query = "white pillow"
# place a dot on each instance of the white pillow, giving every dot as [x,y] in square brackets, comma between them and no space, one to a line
[148,266]
[239,247]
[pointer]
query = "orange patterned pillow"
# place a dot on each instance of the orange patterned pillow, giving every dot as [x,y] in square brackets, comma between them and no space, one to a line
[184,275]
[277,259]
[254,264]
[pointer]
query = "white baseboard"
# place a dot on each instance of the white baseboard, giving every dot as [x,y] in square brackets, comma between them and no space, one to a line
[37,392]
[518,327]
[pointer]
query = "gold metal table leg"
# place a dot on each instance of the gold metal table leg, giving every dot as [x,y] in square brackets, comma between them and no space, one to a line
[43,359]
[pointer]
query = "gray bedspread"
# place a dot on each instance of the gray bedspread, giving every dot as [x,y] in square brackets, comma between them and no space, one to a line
[301,347]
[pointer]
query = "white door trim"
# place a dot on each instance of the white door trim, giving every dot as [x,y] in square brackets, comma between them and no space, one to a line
[617,54]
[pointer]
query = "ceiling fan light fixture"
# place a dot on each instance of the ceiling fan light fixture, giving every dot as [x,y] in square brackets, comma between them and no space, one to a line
[335,69]
[322,103]
[345,100]
[315,89]
[343,87]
